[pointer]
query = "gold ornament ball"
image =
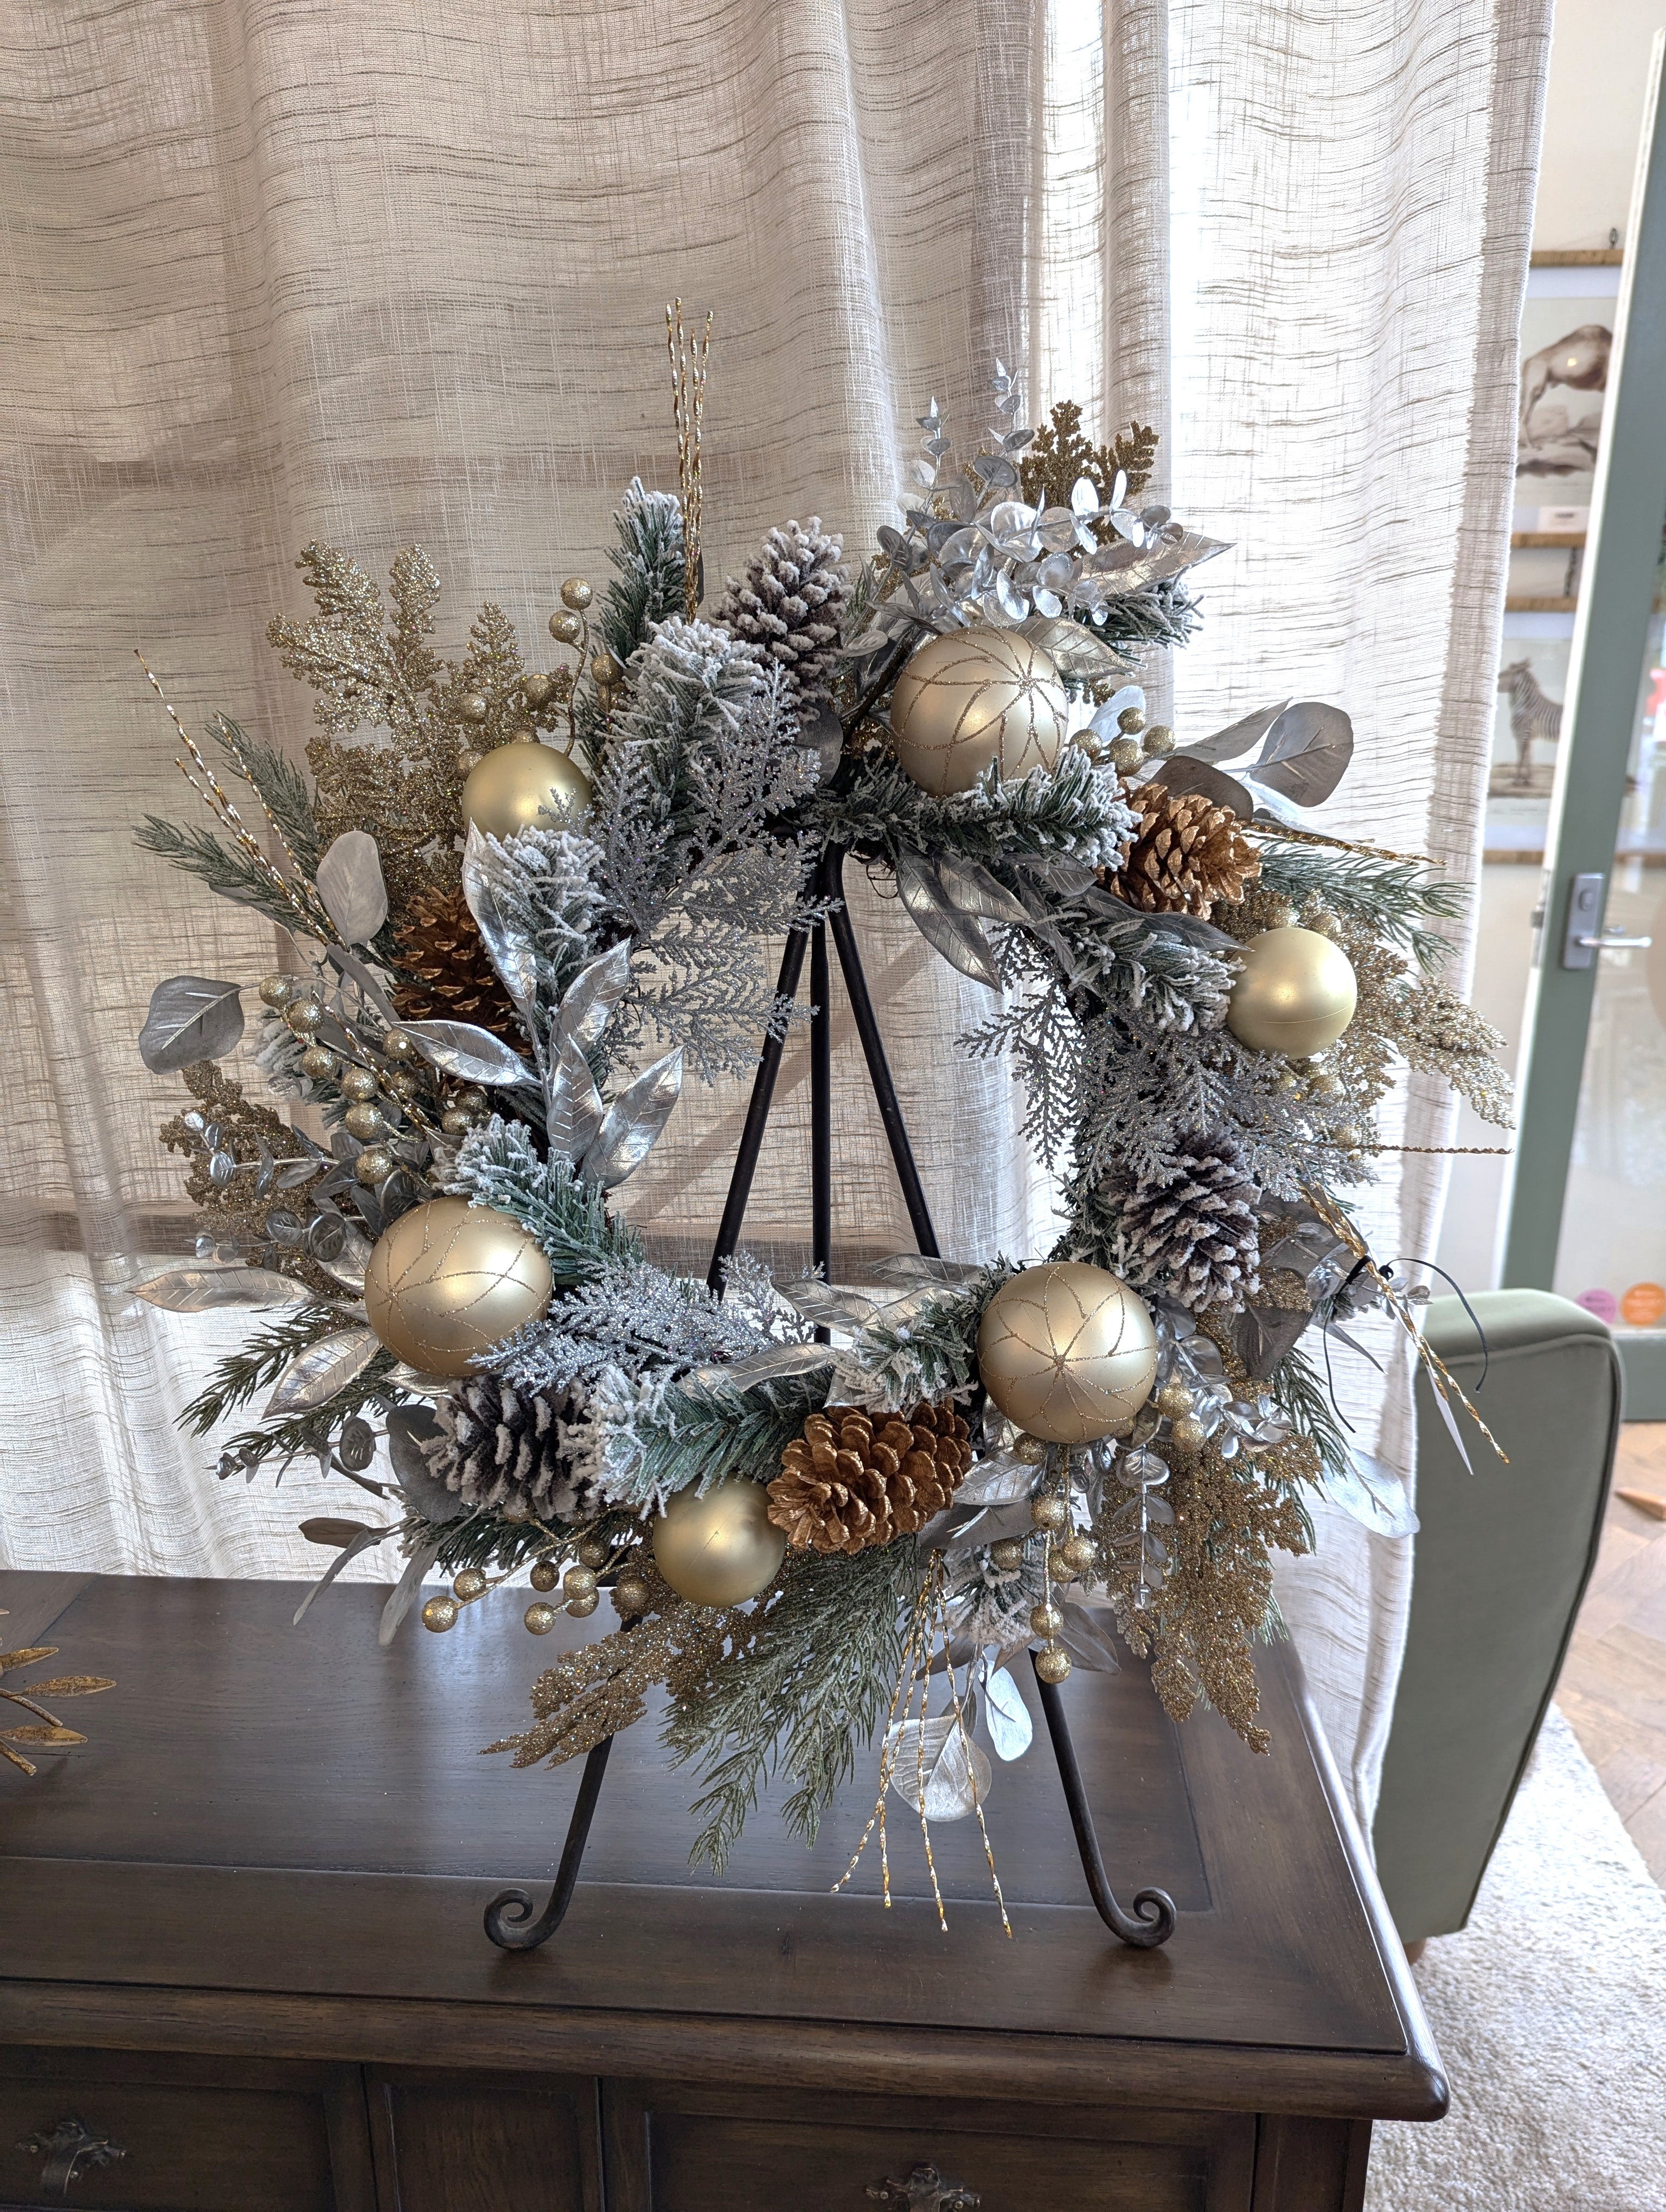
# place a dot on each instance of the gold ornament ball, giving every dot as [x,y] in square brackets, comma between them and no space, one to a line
[373,1165]
[545,1575]
[455,1122]
[365,1122]
[448,1280]
[1158,741]
[1131,722]
[1045,1618]
[580,1607]
[515,786]
[540,1618]
[1059,1566]
[304,1013]
[537,691]
[1051,1511]
[1174,1399]
[1006,1557]
[317,1062]
[440,1614]
[1189,1433]
[631,1596]
[1053,1663]
[399,1044]
[278,990]
[566,629]
[473,707]
[1029,1451]
[593,1552]
[1126,754]
[1296,993]
[576,593]
[470,1583]
[578,1581]
[973,696]
[720,1549]
[1078,1552]
[357,1083]
[1067,1352]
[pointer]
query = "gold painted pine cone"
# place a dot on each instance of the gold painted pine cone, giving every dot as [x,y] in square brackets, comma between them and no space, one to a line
[1189,853]
[856,1479]
[449,976]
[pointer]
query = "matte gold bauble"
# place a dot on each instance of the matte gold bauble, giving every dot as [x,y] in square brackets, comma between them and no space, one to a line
[720,1549]
[1296,993]
[1053,1663]
[1067,1352]
[974,696]
[448,1280]
[515,784]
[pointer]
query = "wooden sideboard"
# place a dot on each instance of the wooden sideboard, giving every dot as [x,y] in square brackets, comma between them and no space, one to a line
[240,1944]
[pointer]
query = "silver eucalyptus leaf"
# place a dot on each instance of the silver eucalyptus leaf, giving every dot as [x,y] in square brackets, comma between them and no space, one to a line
[404,1593]
[419,1384]
[572,1109]
[1006,1716]
[211,1290]
[511,955]
[777,1364]
[998,1480]
[634,1121]
[1237,738]
[1086,1637]
[1371,1494]
[1307,752]
[412,1434]
[362,1539]
[920,1268]
[592,995]
[956,936]
[1180,772]
[347,1263]
[191,1017]
[349,882]
[829,1308]
[313,1376]
[470,1054]
[972,889]
[937,1769]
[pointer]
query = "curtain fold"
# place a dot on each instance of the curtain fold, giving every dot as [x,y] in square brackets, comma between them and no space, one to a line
[379,275]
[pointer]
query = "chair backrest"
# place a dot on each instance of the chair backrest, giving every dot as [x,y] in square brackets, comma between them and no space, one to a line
[1503,1556]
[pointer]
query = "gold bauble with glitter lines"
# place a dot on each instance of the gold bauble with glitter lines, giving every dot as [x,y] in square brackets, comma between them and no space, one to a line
[519,785]
[973,696]
[448,1280]
[1067,1352]
[1295,994]
[718,1548]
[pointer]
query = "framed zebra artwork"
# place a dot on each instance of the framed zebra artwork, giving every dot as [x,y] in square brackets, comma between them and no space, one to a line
[1533,666]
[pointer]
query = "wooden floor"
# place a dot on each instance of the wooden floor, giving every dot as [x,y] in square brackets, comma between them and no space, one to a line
[1614,1686]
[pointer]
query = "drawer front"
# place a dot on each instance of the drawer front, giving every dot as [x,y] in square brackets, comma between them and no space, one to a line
[114,2133]
[681,2150]
[507,2143]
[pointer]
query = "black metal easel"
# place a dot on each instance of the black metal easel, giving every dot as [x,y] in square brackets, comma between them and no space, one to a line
[509,1918]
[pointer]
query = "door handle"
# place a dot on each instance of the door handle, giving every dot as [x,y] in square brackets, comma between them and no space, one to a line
[1584,936]
[1614,940]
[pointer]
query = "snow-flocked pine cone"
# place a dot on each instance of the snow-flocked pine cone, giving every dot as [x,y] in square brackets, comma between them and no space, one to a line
[499,1446]
[449,975]
[790,603]
[856,1479]
[1193,1234]
[1188,853]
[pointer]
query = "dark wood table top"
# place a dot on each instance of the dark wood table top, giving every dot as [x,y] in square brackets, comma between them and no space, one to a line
[282,1840]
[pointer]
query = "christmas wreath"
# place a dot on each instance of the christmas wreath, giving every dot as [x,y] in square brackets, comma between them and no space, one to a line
[521,903]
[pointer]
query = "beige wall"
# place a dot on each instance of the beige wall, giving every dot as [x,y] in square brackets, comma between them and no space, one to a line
[1599,59]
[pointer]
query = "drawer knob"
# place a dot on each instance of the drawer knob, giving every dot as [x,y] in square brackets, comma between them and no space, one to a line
[924,2190]
[70,2145]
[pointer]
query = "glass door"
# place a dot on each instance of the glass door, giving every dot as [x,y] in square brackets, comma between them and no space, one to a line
[1586,1214]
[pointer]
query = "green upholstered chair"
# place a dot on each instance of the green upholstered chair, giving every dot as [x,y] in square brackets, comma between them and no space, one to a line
[1503,1556]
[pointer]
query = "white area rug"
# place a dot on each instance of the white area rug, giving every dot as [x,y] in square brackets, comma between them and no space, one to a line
[1550,2013]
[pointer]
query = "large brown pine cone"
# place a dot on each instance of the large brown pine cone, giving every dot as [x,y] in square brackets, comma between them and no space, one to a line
[854,1478]
[449,976]
[1189,853]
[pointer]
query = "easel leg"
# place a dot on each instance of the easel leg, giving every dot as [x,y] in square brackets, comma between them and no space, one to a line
[1152,1920]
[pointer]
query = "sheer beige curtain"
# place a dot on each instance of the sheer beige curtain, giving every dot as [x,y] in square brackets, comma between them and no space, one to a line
[382,275]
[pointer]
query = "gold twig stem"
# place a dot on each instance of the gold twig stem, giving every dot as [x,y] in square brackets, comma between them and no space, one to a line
[1283,831]
[688,399]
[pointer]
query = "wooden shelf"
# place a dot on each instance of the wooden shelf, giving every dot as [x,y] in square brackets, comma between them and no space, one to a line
[1582,257]
[1567,540]
[1535,603]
